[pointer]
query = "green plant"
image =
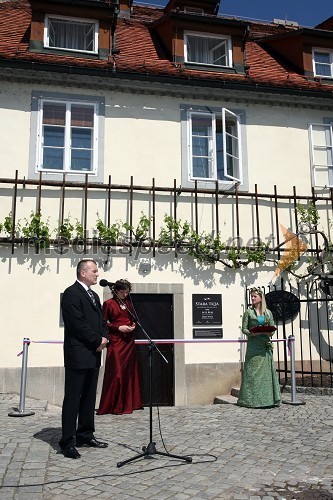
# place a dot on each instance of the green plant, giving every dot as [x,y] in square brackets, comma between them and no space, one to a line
[176,232]
[257,253]
[308,215]
[106,233]
[140,232]
[78,230]
[8,225]
[206,248]
[36,230]
[65,229]
[233,254]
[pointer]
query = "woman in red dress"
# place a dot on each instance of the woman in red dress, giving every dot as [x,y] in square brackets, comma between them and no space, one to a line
[121,385]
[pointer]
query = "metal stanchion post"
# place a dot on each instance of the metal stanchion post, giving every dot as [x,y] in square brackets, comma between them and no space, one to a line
[20,411]
[293,401]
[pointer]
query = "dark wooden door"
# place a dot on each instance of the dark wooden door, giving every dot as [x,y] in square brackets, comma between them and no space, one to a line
[155,315]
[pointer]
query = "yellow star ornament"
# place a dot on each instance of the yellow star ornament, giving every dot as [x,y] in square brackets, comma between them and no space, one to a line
[294,248]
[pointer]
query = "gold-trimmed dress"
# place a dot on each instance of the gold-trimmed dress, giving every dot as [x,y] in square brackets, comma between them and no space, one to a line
[260,386]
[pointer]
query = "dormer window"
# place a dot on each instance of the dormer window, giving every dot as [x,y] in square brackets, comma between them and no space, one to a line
[322,63]
[208,49]
[80,35]
[193,10]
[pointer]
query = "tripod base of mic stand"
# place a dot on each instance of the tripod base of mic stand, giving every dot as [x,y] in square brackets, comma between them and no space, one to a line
[149,451]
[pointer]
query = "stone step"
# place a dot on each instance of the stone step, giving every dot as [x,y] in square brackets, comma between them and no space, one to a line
[225,400]
[235,391]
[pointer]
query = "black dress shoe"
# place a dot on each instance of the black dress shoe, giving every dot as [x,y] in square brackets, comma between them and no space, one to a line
[70,452]
[93,443]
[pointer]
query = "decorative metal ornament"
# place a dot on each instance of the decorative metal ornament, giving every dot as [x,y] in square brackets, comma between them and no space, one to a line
[283,305]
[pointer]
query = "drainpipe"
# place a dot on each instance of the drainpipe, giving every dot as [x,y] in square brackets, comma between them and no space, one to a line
[113,41]
[245,38]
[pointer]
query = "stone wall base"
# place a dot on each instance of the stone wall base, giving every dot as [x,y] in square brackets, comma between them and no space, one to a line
[202,382]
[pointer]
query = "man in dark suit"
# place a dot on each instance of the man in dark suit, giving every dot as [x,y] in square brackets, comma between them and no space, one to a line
[86,335]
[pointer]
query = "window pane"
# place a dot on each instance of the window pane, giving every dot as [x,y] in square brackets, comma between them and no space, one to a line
[202,154]
[82,116]
[201,125]
[81,138]
[322,57]
[322,64]
[54,136]
[323,70]
[321,156]
[69,34]
[219,150]
[206,50]
[232,145]
[200,146]
[53,158]
[81,160]
[232,149]
[324,176]
[321,135]
[218,55]
[54,114]
[201,167]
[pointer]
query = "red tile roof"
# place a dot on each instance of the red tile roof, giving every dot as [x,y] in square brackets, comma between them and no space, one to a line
[326,25]
[141,52]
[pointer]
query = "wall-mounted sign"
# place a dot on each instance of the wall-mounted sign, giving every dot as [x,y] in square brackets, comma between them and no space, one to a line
[207,333]
[207,309]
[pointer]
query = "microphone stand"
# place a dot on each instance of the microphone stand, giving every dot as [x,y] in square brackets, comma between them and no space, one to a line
[150,449]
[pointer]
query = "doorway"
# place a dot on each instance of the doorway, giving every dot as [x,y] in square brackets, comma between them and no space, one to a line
[155,312]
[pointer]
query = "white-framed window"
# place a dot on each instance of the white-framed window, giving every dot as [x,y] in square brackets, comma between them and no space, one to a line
[322,60]
[74,34]
[67,138]
[321,143]
[214,146]
[207,49]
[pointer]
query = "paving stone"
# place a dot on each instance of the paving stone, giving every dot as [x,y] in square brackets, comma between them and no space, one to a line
[258,455]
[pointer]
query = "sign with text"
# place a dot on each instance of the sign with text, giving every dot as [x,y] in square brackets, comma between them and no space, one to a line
[207,333]
[207,309]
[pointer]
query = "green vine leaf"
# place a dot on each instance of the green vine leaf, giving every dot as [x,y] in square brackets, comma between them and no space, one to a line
[140,232]
[107,234]
[8,225]
[308,215]
[37,230]
[65,229]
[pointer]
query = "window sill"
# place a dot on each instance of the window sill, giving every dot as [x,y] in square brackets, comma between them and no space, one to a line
[211,185]
[209,67]
[326,80]
[70,176]
[37,46]
[74,173]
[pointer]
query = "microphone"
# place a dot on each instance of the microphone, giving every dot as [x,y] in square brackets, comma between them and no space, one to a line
[106,283]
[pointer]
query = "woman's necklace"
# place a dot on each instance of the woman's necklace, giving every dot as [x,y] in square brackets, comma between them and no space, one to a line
[120,303]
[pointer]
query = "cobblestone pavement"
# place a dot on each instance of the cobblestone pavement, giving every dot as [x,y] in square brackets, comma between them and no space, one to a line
[238,453]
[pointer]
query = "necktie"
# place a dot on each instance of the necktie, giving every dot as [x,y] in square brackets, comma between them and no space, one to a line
[91,295]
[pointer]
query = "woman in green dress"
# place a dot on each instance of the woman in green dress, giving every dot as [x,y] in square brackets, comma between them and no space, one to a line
[260,386]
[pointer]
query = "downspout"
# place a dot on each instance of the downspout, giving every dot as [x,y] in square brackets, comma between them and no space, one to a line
[113,40]
[245,39]
[174,41]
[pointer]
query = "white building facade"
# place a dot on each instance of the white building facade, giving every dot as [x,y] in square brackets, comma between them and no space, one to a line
[224,146]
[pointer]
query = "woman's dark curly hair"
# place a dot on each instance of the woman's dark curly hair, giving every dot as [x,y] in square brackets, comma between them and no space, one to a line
[122,285]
